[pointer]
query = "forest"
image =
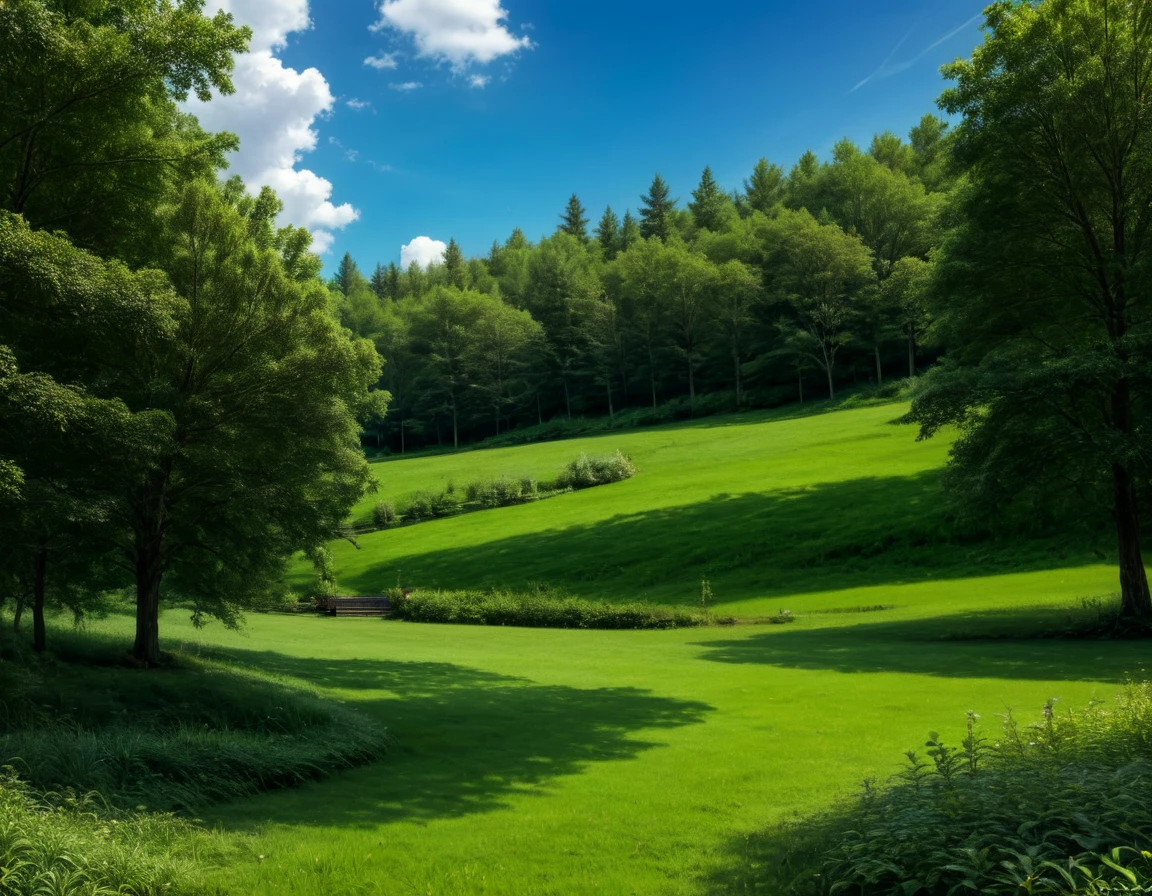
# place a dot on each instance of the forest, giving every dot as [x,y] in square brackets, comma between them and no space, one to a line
[783,289]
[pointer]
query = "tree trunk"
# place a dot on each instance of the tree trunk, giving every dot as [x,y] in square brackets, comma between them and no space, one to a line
[1135,599]
[455,427]
[800,381]
[402,451]
[879,368]
[691,383]
[611,410]
[539,410]
[831,386]
[652,374]
[19,614]
[39,633]
[911,353]
[739,382]
[149,573]
[567,398]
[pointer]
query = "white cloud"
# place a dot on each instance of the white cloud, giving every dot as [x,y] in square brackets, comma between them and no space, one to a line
[479,82]
[358,105]
[406,86]
[424,251]
[382,62]
[460,32]
[273,112]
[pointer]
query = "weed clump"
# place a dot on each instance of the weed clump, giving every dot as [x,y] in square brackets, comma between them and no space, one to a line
[1058,807]
[537,610]
[384,515]
[503,492]
[588,471]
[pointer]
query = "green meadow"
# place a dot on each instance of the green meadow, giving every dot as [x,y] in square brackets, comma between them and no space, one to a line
[567,762]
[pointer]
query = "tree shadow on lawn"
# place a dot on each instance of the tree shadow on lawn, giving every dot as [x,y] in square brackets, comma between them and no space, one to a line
[867,531]
[1007,644]
[465,740]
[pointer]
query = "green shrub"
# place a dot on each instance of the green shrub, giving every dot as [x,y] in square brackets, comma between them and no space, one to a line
[1060,807]
[430,506]
[504,492]
[68,845]
[384,515]
[588,471]
[538,610]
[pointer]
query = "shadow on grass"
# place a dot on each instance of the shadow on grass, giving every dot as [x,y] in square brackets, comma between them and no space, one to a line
[465,740]
[1006,644]
[868,531]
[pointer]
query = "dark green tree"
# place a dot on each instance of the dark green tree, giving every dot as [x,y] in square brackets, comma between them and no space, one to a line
[709,205]
[656,208]
[574,220]
[629,232]
[455,266]
[347,275]
[765,189]
[608,234]
[1047,319]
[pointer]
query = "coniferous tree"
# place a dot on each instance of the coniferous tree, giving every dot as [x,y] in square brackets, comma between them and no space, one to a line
[708,203]
[392,282]
[346,274]
[765,189]
[656,208]
[379,282]
[629,232]
[455,267]
[608,233]
[574,221]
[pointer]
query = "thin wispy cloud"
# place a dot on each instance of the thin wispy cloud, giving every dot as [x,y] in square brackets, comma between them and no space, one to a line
[887,69]
[406,86]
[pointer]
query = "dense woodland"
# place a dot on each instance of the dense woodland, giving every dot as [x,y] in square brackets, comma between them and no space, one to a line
[778,291]
[183,399]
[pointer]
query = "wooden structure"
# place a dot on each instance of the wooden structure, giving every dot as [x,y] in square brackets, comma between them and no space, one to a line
[358,606]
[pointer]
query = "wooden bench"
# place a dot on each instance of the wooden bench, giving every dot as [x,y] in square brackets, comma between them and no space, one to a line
[359,606]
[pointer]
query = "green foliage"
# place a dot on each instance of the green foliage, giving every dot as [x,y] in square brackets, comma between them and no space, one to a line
[430,506]
[503,492]
[203,732]
[66,844]
[656,210]
[586,471]
[538,610]
[384,515]
[1056,807]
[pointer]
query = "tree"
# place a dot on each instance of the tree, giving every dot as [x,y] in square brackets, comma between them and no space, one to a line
[91,137]
[690,281]
[629,232]
[738,289]
[608,234]
[906,292]
[379,282]
[821,272]
[347,275]
[264,392]
[765,189]
[639,279]
[455,267]
[656,208]
[1049,326]
[709,204]
[499,354]
[444,325]
[574,220]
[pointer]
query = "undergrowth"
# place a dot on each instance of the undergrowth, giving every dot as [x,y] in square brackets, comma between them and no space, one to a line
[538,610]
[62,844]
[1063,806]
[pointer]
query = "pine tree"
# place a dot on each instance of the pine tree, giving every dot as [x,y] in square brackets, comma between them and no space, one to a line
[575,220]
[629,232]
[517,240]
[608,233]
[455,266]
[765,189]
[346,274]
[379,282]
[392,283]
[708,203]
[656,209]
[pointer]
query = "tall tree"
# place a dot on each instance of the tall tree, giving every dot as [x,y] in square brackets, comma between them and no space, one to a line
[608,234]
[709,203]
[639,279]
[738,289]
[347,275]
[765,189]
[574,220]
[906,292]
[455,266]
[379,282]
[444,323]
[656,208]
[1048,323]
[499,355]
[629,232]
[91,137]
[822,272]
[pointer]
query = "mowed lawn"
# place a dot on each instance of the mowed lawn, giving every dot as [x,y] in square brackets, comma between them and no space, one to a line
[765,506]
[538,762]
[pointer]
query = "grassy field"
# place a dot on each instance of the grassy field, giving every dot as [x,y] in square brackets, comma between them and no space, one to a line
[535,762]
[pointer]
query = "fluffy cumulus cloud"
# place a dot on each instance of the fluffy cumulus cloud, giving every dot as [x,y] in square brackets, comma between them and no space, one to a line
[423,250]
[459,32]
[273,112]
[382,61]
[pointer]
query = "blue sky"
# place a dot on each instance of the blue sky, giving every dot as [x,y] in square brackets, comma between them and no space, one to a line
[590,97]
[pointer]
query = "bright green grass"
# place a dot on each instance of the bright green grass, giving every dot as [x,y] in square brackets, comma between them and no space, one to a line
[552,763]
[764,507]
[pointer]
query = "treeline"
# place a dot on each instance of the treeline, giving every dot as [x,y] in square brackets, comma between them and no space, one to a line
[179,408]
[779,291]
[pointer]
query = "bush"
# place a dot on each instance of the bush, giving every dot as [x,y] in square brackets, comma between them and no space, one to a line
[1060,807]
[586,471]
[538,610]
[430,506]
[70,845]
[384,515]
[503,492]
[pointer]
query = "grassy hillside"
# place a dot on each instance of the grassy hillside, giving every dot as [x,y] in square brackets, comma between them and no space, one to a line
[765,506]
